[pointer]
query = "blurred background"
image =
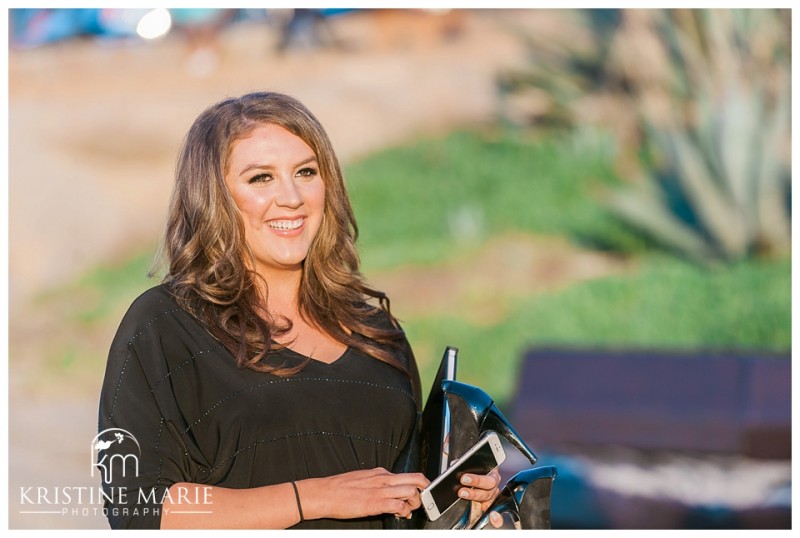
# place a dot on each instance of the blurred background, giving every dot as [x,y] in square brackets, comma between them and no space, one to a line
[592,205]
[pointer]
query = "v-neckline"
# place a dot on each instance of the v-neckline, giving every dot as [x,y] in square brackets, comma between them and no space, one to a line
[333,362]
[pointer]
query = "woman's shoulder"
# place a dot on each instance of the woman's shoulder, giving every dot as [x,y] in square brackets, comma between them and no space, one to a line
[379,318]
[151,305]
[382,320]
[151,301]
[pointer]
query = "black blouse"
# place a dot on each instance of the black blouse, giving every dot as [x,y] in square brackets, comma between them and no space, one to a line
[174,402]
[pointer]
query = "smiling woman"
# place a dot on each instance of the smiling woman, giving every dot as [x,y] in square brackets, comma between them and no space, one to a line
[259,376]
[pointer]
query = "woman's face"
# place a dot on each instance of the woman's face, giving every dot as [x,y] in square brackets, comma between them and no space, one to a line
[275,181]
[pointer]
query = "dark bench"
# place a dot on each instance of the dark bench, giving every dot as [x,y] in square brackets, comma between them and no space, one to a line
[719,402]
[584,410]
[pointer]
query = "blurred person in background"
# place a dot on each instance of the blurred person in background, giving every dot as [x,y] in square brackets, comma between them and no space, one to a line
[201,26]
[309,29]
[263,386]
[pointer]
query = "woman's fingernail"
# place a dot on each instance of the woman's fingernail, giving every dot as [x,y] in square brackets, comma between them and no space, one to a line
[464,493]
[466,479]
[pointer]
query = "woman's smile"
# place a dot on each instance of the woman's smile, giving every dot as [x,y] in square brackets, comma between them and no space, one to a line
[285,227]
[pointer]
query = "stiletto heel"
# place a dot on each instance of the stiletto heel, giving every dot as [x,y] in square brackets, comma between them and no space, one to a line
[473,412]
[526,496]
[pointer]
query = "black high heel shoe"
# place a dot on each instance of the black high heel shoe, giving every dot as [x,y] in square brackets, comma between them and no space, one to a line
[473,412]
[524,499]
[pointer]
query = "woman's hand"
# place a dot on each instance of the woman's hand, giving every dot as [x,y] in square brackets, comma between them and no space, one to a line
[482,489]
[361,493]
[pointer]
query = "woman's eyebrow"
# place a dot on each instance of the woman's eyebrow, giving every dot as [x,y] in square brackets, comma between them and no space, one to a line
[259,166]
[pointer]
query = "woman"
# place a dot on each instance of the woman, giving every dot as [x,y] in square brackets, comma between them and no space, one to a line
[258,386]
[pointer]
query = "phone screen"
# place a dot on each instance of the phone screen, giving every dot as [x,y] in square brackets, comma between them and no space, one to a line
[445,493]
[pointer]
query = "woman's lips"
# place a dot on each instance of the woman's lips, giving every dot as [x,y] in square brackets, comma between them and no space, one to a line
[286,227]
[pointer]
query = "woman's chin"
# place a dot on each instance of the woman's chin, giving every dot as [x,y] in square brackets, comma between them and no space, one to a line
[287,264]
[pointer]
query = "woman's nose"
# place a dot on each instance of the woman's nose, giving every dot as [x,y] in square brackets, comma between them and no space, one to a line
[288,193]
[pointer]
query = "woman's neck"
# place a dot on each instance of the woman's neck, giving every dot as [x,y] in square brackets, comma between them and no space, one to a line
[282,293]
[305,337]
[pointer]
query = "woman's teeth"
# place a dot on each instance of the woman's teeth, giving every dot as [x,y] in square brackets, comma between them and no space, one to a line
[286,224]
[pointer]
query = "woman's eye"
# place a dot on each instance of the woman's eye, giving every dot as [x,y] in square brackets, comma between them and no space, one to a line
[307,172]
[260,178]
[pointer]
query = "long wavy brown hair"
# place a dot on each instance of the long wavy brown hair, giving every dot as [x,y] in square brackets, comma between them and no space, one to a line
[210,263]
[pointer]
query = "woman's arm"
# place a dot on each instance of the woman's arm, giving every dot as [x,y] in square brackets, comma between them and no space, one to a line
[344,496]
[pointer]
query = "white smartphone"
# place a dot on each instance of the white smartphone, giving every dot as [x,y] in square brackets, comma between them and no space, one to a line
[482,458]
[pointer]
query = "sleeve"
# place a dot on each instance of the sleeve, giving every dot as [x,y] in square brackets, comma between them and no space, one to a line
[409,459]
[139,453]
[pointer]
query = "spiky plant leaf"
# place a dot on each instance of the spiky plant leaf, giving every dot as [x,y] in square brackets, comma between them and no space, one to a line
[644,208]
[739,121]
[720,216]
[774,222]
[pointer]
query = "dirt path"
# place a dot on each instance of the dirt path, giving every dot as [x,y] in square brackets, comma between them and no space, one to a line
[93,135]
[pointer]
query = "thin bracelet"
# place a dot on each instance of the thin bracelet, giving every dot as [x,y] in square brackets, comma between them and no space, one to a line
[299,506]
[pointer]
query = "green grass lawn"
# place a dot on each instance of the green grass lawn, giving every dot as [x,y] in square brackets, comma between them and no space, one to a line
[417,203]
[667,304]
[430,201]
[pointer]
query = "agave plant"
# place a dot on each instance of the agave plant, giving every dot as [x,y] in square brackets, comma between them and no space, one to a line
[718,123]
[705,94]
